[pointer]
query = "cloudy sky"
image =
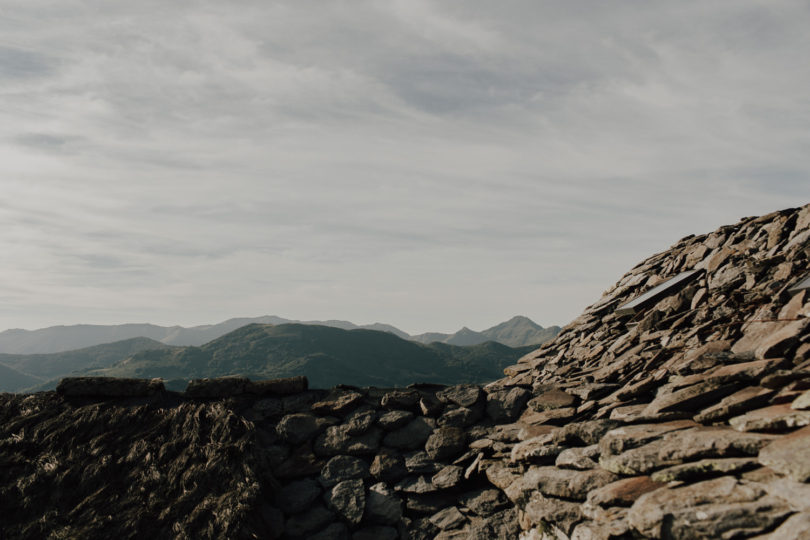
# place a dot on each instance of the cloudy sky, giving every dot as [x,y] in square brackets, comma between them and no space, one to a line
[425,164]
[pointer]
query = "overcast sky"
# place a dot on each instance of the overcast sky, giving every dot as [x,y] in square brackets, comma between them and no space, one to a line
[425,164]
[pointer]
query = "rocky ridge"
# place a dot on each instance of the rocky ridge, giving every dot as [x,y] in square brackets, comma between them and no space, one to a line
[688,417]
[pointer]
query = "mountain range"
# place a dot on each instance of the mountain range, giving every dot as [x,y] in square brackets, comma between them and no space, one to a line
[516,332]
[326,355]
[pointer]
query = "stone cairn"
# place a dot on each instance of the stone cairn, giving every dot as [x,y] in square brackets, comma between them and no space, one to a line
[688,417]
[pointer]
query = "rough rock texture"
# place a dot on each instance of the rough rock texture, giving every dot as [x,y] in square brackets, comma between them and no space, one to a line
[687,418]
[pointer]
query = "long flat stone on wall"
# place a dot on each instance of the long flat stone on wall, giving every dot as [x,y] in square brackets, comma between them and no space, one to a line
[108,387]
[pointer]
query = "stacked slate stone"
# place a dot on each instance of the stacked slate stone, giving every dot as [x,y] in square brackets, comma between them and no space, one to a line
[689,418]
[373,464]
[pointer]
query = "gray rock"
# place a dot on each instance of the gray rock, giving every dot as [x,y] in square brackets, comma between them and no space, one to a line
[415,484]
[420,462]
[796,527]
[337,402]
[341,468]
[463,395]
[388,466]
[394,419]
[738,402]
[721,508]
[563,514]
[337,440]
[348,500]
[506,404]
[680,446]
[412,436]
[449,477]
[484,502]
[461,417]
[551,399]
[703,469]
[299,427]
[269,406]
[382,505]
[449,518]
[401,399]
[580,458]
[297,496]
[445,443]
[587,433]
[360,421]
[773,418]
[789,455]
[428,503]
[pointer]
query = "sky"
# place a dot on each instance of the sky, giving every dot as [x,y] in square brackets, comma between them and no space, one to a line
[426,164]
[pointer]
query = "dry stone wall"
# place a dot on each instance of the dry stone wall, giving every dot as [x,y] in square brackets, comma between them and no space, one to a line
[688,417]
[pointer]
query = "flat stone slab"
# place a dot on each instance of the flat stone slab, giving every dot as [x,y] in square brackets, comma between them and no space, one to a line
[690,398]
[703,469]
[580,458]
[789,455]
[624,438]
[623,492]
[773,418]
[564,483]
[108,387]
[802,403]
[739,401]
[552,399]
[721,508]
[687,445]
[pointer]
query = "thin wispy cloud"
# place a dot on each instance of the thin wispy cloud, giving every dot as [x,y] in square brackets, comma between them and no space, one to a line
[426,164]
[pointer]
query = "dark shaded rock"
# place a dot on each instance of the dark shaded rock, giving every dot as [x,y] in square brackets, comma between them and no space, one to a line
[314,519]
[301,402]
[463,395]
[719,508]
[445,443]
[341,468]
[217,388]
[415,484]
[429,405]
[279,387]
[420,529]
[382,505]
[448,518]
[273,519]
[299,427]
[461,417]
[394,419]
[376,533]
[109,387]
[269,406]
[297,496]
[401,399]
[789,455]
[335,531]
[505,404]
[337,402]
[412,436]
[421,463]
[360,421]
[348,500]
[301,462]
[337,440]
[484,502]
[388,466]
[428,503]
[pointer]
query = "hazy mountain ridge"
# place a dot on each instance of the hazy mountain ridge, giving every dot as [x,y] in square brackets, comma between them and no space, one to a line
[326,355]
[516,332]
[42,371]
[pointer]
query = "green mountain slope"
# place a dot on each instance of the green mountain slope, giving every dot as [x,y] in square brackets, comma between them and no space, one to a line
[326,355]
[12,380]
[50,367]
